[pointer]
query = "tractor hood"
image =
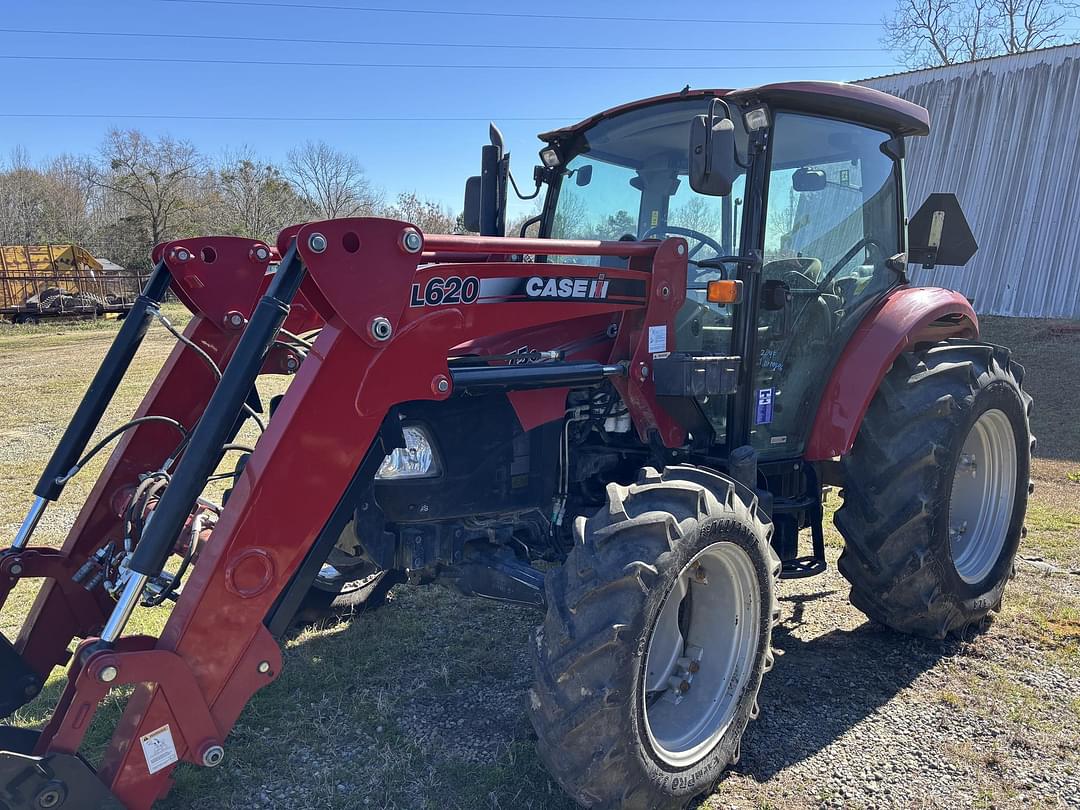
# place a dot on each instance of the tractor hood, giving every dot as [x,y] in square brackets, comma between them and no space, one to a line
[836,99]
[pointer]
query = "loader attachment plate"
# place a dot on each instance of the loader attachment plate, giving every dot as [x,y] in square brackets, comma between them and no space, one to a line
[62,781]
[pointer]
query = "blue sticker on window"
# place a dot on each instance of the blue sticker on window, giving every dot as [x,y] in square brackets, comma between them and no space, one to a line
[764,406]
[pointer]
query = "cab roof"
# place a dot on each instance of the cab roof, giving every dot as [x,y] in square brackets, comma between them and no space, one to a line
[849,101]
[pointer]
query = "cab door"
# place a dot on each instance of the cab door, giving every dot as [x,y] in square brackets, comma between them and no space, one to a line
[833,221]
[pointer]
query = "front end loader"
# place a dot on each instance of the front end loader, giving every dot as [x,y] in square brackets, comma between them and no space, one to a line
[624,422]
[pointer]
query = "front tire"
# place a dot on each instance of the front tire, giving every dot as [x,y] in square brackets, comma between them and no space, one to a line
[935,490]
[345,585]
[657,635]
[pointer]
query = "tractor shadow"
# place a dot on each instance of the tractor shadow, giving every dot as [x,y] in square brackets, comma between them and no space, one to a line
[822,686]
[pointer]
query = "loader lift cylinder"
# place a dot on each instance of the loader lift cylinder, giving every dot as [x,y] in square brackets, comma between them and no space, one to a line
[204,448]
[96,400]
[104,385]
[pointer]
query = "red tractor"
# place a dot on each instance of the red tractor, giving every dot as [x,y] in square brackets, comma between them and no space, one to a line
[625,422]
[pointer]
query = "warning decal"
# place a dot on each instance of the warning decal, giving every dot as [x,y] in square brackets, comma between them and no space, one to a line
[657,339]
[159,749]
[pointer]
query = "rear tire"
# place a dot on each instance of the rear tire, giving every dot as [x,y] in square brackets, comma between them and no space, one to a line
[611,633]
[935,490]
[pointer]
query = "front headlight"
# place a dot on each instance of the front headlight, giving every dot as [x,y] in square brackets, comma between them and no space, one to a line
[415,460]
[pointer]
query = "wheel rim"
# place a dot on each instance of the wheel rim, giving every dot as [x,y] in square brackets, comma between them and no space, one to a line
[701,653]
[983,492]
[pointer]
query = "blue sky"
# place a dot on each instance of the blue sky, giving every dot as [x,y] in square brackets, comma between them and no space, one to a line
[433,155]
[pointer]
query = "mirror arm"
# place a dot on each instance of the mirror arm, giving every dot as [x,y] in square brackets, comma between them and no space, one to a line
[536,178]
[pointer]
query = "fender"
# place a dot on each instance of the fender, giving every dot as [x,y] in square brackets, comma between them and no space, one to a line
[907,316]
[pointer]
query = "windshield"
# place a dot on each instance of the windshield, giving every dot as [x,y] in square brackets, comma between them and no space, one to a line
[627,179]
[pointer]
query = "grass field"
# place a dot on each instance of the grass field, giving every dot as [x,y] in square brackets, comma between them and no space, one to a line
[421,703]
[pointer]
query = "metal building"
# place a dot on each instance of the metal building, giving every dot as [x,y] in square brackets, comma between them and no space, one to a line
[1005,138]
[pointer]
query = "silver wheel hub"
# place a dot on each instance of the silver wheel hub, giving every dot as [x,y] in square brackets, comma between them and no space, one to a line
[982,497]
[701,653]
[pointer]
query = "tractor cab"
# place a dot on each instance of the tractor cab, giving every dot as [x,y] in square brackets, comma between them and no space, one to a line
[810,230]
[803,216]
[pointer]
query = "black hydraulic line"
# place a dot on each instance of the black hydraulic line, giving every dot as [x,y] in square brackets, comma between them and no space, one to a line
[540,375]
[97,448]
[104,385]
[205,441]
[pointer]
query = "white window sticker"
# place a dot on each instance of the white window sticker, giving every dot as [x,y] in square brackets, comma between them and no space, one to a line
[657,339]
[159,749]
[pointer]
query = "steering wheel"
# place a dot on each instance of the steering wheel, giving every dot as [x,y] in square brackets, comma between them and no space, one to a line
[701,238]
[865,242]
[801,269]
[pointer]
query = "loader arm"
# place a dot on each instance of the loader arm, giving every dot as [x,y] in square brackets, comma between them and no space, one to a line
[391,317]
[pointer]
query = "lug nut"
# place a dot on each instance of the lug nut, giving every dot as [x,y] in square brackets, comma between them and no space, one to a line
[212,756]
[694,667]
[412,241]
[108,674]
[679,684]
[380,328]
[317,243]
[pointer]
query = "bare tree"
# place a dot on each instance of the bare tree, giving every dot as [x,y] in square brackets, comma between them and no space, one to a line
[255,197]
[428,215]
[1025,25]
[70,199]
[156,178]
[332,182]
[928,33]
[702,214]
[23,201]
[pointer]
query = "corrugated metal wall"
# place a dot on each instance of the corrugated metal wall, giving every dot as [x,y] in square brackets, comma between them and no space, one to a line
[1006,140]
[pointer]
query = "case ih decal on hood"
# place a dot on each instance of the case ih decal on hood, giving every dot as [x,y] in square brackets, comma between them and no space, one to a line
[456,290]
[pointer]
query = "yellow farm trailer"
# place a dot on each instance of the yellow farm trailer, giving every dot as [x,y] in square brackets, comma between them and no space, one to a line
[49,281]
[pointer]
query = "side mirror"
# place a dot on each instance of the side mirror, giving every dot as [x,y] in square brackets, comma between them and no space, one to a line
[484,211]
[470,213]
[712,154]
[808,180]
[583,176]
[939,233]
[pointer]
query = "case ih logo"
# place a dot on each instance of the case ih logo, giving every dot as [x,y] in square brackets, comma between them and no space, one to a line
[540,287]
